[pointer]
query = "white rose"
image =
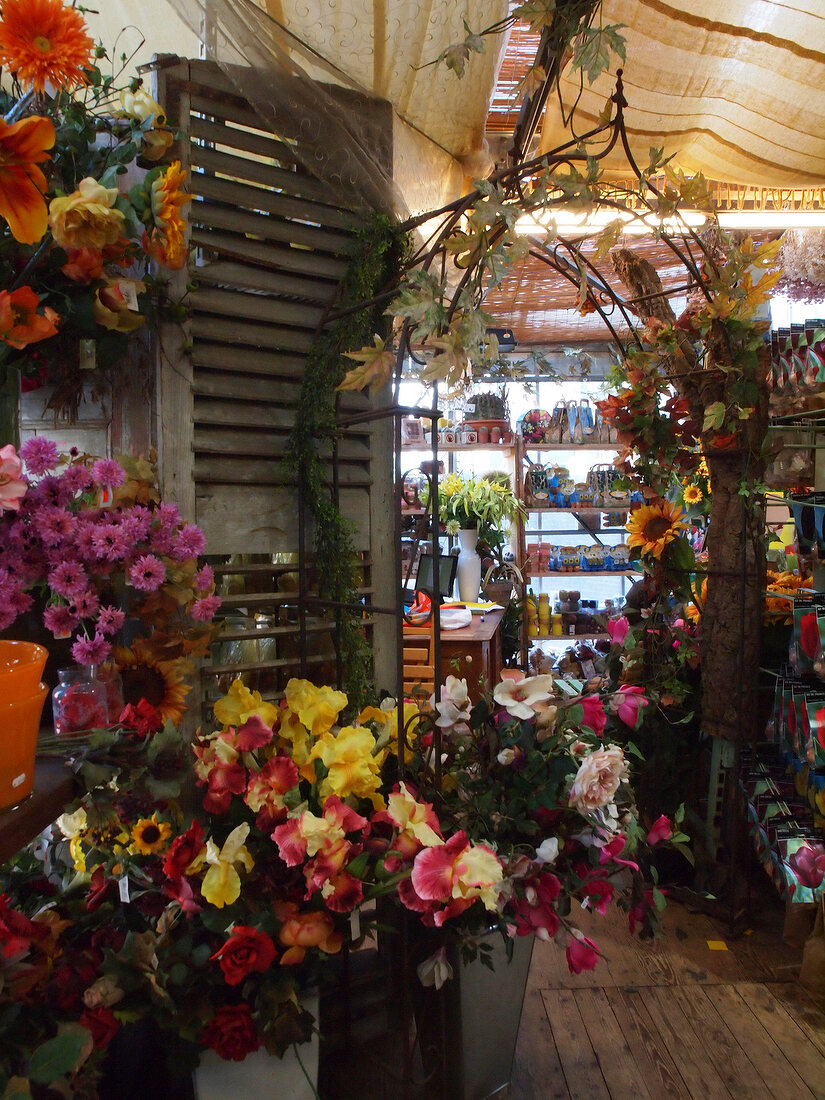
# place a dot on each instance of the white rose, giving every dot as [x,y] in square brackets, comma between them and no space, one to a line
[598,779]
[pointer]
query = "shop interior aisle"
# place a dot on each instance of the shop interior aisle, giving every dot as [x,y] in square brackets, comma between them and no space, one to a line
[697,1015]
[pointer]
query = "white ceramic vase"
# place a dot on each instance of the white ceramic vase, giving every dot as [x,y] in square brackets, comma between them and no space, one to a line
[261,1076]
[468,569]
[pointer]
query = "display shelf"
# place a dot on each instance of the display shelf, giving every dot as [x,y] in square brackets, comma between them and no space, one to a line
[583,573]
[501,448]
[583,509]
[54,789]
[568,637]
[568,446]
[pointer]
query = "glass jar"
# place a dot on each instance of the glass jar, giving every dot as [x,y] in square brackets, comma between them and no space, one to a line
[79,702]
[109,675]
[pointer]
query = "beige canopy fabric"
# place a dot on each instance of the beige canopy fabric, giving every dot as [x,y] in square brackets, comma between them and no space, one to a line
[735,89]
[380,43]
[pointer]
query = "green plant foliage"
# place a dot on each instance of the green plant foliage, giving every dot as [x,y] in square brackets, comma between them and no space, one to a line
[380,248]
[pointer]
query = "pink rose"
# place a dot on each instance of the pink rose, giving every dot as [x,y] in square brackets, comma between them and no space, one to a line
[598,779]
[617,629]
[12,484]
[582,953]
[660,830]
[594,716]
[628,703]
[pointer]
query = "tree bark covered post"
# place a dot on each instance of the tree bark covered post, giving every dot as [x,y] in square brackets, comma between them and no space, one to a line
[730,630]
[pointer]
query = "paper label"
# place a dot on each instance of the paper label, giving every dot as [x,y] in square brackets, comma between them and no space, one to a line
[129,292]
[18,779]
[588,669]
[123,889]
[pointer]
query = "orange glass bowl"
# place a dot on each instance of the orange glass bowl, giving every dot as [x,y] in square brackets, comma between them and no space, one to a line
[19,727]
[21,667]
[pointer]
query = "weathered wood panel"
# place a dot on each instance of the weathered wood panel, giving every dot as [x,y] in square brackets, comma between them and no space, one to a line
[266,254]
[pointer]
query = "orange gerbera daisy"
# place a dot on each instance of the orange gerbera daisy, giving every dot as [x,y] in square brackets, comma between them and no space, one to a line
[653,526]
[20,323]
[167,241]
[43,41]
[24,145]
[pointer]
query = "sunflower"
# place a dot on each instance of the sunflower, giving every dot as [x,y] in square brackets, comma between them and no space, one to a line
[693,611]
[150,835]
[43,41]
[692,494]
[653,526]
[146,675]
[166,243]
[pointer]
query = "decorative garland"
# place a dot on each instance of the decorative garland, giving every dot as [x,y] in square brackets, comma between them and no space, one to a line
[376,262]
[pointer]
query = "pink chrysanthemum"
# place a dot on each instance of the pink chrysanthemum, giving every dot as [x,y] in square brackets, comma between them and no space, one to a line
[86,604]
[91,651]
[59,620]
[136,523]
[68,579]
[109,473]
[110,620]
[39,454]
[54,525]
[111,542]
[204,578]
[148,573]
[190,542]
[77,479]
[204,610]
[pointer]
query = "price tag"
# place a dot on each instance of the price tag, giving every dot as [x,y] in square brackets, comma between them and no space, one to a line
[129,292]
[123,889]
[588,669]
[355,924]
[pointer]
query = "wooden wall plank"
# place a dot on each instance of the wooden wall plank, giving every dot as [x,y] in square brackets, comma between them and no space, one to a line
[254,142]
[255,307]
[279,205]
[246,277]
[246,387]
[278,338]
[288,180]
[211,470]
[241,415]
[270,228]
[280,365]
[239,247]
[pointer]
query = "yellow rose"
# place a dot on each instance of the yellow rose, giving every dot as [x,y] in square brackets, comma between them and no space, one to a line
[86,218]
[140,105]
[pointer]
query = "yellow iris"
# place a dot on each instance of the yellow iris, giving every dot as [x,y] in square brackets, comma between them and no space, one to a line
[240,703]
[317,707]
[353,769]
[653,526]
[222,883]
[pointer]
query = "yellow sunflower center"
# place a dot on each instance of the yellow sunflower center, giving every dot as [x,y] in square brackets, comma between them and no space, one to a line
[655,528]
[42,43]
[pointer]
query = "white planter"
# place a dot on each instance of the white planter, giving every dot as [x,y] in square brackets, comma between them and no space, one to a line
[261,1076]
[468,569]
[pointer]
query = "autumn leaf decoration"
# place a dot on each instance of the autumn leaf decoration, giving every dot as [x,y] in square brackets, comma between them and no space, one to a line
[376,365]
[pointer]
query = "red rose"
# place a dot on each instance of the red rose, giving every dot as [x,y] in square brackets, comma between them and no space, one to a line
[182,851]
[102,1023]
[246,950]
[231,1033]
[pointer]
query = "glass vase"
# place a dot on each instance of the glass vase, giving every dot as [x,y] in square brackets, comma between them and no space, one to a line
[79,702]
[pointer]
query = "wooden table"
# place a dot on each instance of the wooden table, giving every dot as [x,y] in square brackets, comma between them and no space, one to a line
[472,652]
[54,788]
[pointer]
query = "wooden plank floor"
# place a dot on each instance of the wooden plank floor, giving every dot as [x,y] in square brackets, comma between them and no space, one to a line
[675,1018]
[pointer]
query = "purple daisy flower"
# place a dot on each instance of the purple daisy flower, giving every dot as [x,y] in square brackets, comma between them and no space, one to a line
[204,578]
[110,620]
[204,610]
[108,473]
[148,573]
[59,620]
[168,514]
[189,542]
[68,578]
[39,454]
[137,523]
[91,651]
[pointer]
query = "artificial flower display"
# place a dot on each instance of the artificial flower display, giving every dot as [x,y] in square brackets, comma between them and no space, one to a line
[89,542]
[69,230]
[486,503]
[653,527]
[212,925]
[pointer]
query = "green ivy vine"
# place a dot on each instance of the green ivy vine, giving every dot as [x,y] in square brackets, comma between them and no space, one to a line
[380,248]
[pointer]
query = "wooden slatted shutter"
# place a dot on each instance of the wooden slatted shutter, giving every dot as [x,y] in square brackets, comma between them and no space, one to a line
[270,246]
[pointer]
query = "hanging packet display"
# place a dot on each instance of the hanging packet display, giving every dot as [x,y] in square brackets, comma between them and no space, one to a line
[806,635]
[814,729]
